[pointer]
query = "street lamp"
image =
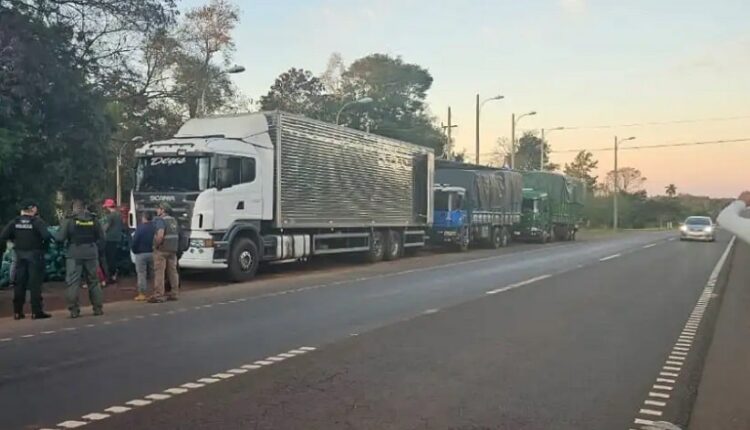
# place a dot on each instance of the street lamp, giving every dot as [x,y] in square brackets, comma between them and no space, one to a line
[615,209]
[479,109]
[513,122]
[118,194]
[362,101]
[202,102]
[541,163]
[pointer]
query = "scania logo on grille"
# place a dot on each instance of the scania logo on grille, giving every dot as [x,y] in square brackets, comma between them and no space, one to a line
[162,198]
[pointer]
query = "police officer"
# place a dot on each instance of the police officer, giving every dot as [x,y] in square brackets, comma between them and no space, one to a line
[30,236]
[83,235]
[166,247]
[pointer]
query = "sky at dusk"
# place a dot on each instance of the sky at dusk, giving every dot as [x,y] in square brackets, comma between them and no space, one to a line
[578,63]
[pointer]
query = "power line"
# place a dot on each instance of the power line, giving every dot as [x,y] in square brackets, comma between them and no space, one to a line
[651,123]
[665,145]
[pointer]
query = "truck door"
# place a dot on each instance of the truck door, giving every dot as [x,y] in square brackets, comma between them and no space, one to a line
[238,195]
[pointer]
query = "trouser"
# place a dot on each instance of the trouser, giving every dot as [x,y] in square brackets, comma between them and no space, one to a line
[75,272]
[110,257]
[165,264]
[144,269]
[28,275]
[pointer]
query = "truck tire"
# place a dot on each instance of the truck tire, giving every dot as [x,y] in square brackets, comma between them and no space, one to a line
[393,246]
[506,237]
[243,260]
[464,239]
[496,238]
[377,247]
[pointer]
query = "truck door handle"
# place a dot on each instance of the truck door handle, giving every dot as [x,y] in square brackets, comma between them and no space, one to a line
[241,205]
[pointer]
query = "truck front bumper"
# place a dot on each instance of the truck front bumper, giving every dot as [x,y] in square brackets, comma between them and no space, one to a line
[201,258]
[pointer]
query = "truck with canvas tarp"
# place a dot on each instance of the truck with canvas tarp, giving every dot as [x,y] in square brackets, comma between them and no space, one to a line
[552,207]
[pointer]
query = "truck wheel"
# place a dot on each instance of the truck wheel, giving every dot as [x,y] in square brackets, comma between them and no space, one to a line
[377,247]
[496,241]
[464,239]
[243,260]
[506,237]
[393,246]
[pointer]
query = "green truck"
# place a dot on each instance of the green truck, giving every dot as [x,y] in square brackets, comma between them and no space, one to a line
[552,207]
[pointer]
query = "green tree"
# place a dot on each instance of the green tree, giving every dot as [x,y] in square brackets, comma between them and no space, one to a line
[528,153]
[671,190]
[582,167]
[53,123]
[296,91]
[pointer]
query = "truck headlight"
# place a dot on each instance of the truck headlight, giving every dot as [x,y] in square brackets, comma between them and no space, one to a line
[201,243]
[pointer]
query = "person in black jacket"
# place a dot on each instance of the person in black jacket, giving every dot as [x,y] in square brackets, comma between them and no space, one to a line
[29,235]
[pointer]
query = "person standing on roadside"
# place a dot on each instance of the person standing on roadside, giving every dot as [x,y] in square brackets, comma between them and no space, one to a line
[113,236]
[166,246]
[142,247]
[730,218]
[30,236]
[83,235]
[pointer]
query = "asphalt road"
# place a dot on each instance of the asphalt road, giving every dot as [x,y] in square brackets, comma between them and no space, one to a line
[571,336]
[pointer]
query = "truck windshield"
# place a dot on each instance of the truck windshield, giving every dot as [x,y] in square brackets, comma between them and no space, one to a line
[528,205]
[172,174]
[441,200]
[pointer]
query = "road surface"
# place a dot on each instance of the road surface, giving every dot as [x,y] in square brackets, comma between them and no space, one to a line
[575,335]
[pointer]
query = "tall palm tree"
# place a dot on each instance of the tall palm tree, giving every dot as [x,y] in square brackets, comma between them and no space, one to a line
[671,190]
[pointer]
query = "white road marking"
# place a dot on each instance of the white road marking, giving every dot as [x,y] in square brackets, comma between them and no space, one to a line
[117,409]
[679,353]
[431,311]
[48,332]
[308,348]
[519,284]
[680,348]
[275,359]
[26,336]
[251,366]
[140,317]
[673,357]
[611,257]
[176,390]
[70,329]
[155,314]
[643,422]
[72,424]
[158,396]
[675,363]
[237,371]
[264,363]
[297,351]
[665,380]
[107,322]
[672,368]
[654,403]
[650,245]
[95,416]
[6,339]
[139,402]
[673,375]
[208,380]
[192,385]
[662,387]
[658,395]
[286,355]
[650,412]
[222,375]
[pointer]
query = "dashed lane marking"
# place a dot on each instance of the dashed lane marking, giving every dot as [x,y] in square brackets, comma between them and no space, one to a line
[171,392]
[670,372]
[611,257]
[520,284]
[650,245]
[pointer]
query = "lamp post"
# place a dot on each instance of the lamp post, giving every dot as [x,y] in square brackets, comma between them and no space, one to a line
[615,209]
[513,123]
[479,109]
[362,101]
[201,111]
[118,194]
[541,163]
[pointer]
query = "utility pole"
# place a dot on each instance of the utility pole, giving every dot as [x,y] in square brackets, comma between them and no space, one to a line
[512,140]
[477,130]
[541,153]
[615,209]
[448,150]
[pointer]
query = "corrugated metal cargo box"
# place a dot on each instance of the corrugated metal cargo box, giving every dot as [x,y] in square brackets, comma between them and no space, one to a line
[333,176]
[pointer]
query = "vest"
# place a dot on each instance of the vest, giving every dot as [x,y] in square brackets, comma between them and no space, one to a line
[171,241]
[84,230]
[25,235]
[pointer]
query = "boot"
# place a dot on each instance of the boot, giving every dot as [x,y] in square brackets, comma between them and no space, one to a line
[40,316]
[18,316]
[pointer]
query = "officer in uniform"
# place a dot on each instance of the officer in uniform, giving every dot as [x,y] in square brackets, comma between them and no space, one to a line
[29,235]
[83,235]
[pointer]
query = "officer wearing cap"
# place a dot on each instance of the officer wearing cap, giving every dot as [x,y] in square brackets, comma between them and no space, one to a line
[166,247]
[29,235]
[83,235]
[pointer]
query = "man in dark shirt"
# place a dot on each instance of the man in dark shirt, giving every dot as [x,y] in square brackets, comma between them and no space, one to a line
[113,228]
[29,235]
[143,248]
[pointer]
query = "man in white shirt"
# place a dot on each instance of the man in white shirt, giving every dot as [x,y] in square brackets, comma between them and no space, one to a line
[731,219]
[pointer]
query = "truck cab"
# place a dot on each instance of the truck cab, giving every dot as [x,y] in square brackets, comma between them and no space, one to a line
[536,224]
[450,219]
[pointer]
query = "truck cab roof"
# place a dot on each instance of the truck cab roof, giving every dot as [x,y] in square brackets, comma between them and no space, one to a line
[532,194]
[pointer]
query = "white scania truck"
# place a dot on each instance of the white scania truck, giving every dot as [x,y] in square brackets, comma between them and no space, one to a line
[272,186]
